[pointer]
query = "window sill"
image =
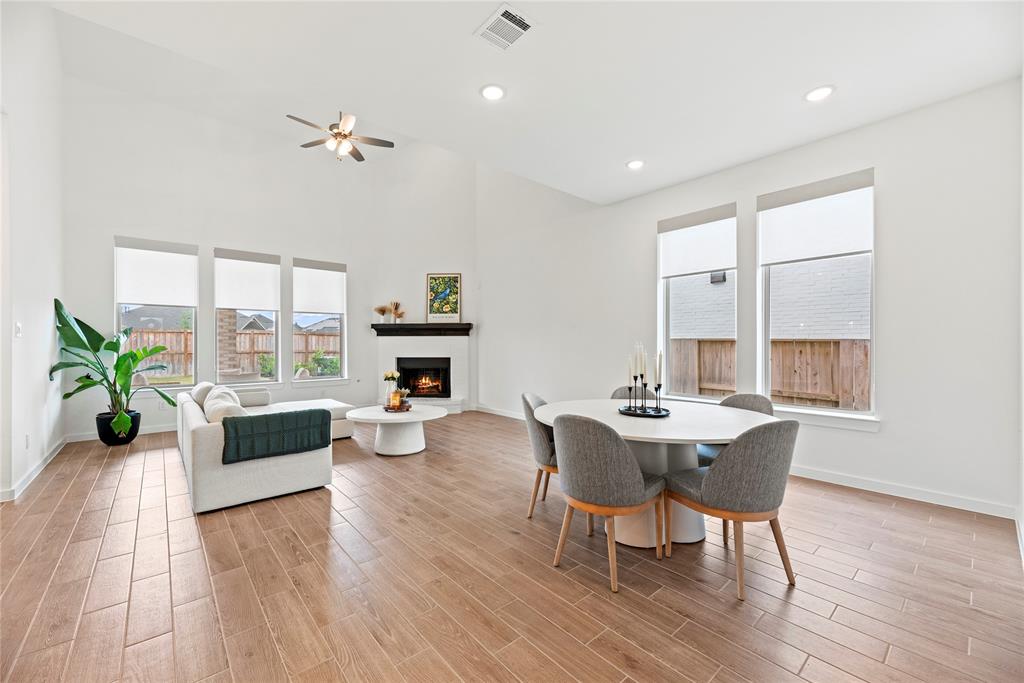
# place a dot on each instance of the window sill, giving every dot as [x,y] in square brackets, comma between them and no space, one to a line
[834,419]
[321,382]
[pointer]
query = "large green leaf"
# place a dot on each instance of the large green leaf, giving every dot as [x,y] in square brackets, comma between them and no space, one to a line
[88,384]
[122,423]
[92,337]
[164,395]
[67,327]
[91,361]
[118,341]
[148,368]
[124,368]
[64,364]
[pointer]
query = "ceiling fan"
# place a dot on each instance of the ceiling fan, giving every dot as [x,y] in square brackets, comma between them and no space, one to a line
[340,138]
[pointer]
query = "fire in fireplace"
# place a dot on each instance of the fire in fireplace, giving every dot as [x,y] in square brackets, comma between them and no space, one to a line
[425,377]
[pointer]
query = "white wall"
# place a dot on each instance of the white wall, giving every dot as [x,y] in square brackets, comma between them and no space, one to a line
[569,286]
[32,240]
[146,169]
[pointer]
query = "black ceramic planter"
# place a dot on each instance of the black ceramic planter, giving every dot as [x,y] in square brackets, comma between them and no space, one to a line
[109,436]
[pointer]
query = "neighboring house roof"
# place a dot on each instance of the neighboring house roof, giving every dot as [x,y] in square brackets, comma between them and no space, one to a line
[325,325]
[254,322]
[153,318]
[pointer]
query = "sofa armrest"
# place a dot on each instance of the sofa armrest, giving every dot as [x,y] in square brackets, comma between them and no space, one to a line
[254,396]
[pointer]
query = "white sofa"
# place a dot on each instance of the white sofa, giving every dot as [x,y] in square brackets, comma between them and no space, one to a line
[214,485]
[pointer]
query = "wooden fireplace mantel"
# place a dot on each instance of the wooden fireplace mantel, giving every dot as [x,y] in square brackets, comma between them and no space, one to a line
[422,329]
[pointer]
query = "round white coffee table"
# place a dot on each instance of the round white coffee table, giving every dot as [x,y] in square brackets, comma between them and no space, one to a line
[397,433]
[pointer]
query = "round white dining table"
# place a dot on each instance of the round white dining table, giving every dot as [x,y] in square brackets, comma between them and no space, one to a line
[661,445]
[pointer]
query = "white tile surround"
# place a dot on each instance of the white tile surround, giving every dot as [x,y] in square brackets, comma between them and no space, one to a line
[389,349]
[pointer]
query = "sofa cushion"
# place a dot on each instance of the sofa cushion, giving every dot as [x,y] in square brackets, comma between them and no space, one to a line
[200,391]
[217,410]
[220,392]
[337,409]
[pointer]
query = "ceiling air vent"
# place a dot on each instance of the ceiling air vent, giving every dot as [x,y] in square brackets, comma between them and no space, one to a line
[503,28]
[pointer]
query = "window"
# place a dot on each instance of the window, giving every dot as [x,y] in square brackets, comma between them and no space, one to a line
[697,264]
[816,258]
[155,292]
[318,319]
[247,296]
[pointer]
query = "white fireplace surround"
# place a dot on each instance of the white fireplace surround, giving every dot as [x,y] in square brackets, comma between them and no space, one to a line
[390,349]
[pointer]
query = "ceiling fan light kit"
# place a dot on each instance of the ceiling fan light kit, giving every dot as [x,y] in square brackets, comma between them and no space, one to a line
[340,138]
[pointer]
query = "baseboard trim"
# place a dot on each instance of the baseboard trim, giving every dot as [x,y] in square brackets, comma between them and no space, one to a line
[145,429]
[19,488]
[914,493]
[499,411]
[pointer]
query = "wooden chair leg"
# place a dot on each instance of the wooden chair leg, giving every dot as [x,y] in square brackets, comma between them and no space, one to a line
[533,496]
[590,524]
[613,566]
[741,591]
[777,530]
[659,537]
[566,521]
[725,532]
[547,478]
[667,504]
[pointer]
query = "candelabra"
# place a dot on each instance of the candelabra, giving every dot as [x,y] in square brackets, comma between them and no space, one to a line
[636,405]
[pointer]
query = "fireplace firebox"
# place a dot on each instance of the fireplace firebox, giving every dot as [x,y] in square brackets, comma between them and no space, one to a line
[425,377]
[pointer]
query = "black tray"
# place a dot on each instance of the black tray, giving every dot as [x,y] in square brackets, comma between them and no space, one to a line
[650,411]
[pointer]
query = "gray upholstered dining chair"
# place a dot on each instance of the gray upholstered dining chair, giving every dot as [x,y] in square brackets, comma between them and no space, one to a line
[623,392]
[755,402]
[600,475]
[542,441]
[745,483]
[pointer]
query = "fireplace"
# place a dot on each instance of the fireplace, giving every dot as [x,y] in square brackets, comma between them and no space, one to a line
[425,377]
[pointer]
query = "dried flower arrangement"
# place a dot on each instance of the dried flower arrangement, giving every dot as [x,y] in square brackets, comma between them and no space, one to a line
[394,309]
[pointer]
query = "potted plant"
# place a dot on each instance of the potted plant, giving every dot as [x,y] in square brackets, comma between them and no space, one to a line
[83,347]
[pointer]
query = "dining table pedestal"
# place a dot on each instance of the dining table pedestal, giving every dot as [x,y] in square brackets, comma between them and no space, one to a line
[687,525]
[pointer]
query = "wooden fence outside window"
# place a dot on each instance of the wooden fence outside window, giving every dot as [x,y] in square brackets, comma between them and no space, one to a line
[249,345]
[834,373]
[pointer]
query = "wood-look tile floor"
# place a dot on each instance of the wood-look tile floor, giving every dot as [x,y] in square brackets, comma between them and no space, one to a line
[424,568]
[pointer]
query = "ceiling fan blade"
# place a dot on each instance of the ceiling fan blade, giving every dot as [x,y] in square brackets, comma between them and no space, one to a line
[348,122]
[376,142]
[356,154]
[304,121]
[314,143]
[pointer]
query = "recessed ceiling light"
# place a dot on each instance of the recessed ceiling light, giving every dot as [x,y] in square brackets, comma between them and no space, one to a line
[492,92]
[634,165]
[820,93]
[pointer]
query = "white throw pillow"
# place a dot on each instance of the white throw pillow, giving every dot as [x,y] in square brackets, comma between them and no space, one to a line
[221,392]
[200,392]
[218,409]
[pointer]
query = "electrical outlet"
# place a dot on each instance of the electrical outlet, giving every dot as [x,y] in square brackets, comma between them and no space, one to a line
[26,442]
[17,330]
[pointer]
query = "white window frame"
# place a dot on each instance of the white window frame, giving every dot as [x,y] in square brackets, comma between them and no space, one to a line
[123,242]
[233,254]
[811,191]
[683,222]
[343,318]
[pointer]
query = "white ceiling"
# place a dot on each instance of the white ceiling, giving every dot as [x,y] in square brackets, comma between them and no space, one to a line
[690,88]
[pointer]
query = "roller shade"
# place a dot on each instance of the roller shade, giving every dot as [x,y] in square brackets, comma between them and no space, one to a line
[698,248]
[247,281]
[318,287]
[157,273]
[823,226]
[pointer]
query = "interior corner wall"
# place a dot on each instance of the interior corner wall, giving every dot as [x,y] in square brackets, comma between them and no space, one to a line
[31,101]
[396,217]
[569,286]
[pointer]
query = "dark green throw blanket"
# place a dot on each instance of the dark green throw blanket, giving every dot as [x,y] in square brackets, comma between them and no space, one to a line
[263,436]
